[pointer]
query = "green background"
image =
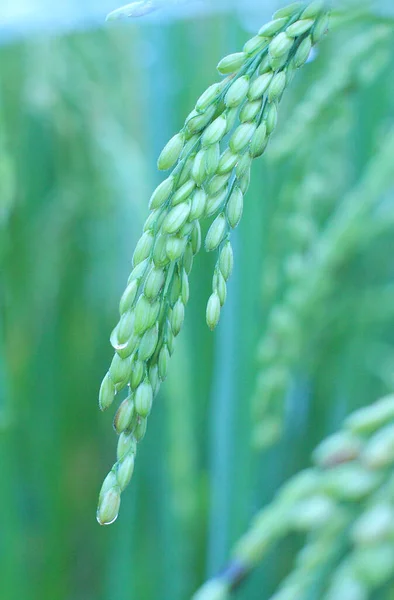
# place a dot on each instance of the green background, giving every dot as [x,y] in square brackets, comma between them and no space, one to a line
[83,118]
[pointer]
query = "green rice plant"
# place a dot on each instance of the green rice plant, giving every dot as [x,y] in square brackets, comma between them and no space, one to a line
[343,505]
[315,280]
[210,159]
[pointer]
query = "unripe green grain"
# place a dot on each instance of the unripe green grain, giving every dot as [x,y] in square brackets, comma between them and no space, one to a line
[109,504]
[183,193]
[219,286]
[237,92]
[176,218]
[227,162]
[143,399]
[216,233]
[265,65]
[164,358]
[159,256]
[137,374]
[171,152]
[188,258]
[217,183]
[231,63]
[195,238]
[215,202]
[231,117]
[186,171]
[199,202]
[185,290]
[255,45]
[244,182]
[196,122]
[241,137]
[107,393]
[213,311]
[250,110]
[259,141]
[128,297]
[313,9]
[148,343]
[198,172]
[243,165]
[260,85]
[234,207]
[175,247]
[124,471]
[140,429]
[154,379]
[272,28]
[209,96]
[271,117]
[154,282]
[119,371]
[124,415]
[143,248]
[212,158]
[299,27]
[138,272]
[289,11]
[162,193]
[177,317]
[215,132]
[142,315]
[126,445]
[279,61]
[226,260]
[125,327]
[303,51]
[280,45]
[320,29]
[276,87]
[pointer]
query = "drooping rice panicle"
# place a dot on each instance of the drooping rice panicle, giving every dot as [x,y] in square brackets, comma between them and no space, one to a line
[210,160]
[344,505]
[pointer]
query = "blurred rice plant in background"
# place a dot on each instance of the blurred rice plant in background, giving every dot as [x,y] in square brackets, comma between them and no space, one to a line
[83,117]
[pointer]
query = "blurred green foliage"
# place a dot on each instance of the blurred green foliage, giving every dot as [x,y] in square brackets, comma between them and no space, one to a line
[82,120]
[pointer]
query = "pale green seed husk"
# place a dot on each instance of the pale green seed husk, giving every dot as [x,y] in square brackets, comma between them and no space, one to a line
[124,415]
[273,27]
[234,207]
[162,193]
[216,233]
[215,132]
[250,110]
[126,445]
[280,45]
[148,343]
[299,27]
[259,141]
[276,87]
[215,202]
[143,399]
[231,63]
[124,471]
[303,51]
[128,297]
[199,202]
[237,92]
[241,137]
[213,311]
[176,218]
[107,393]
[137,374]
[260,85]
[226,260]
[177,317]
[227,162]
[171,152]
[143,248]
[183,193]
[109,504]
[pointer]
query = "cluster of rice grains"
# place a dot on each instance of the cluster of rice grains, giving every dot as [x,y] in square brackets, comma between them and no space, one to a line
[344,505]
[211,160]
